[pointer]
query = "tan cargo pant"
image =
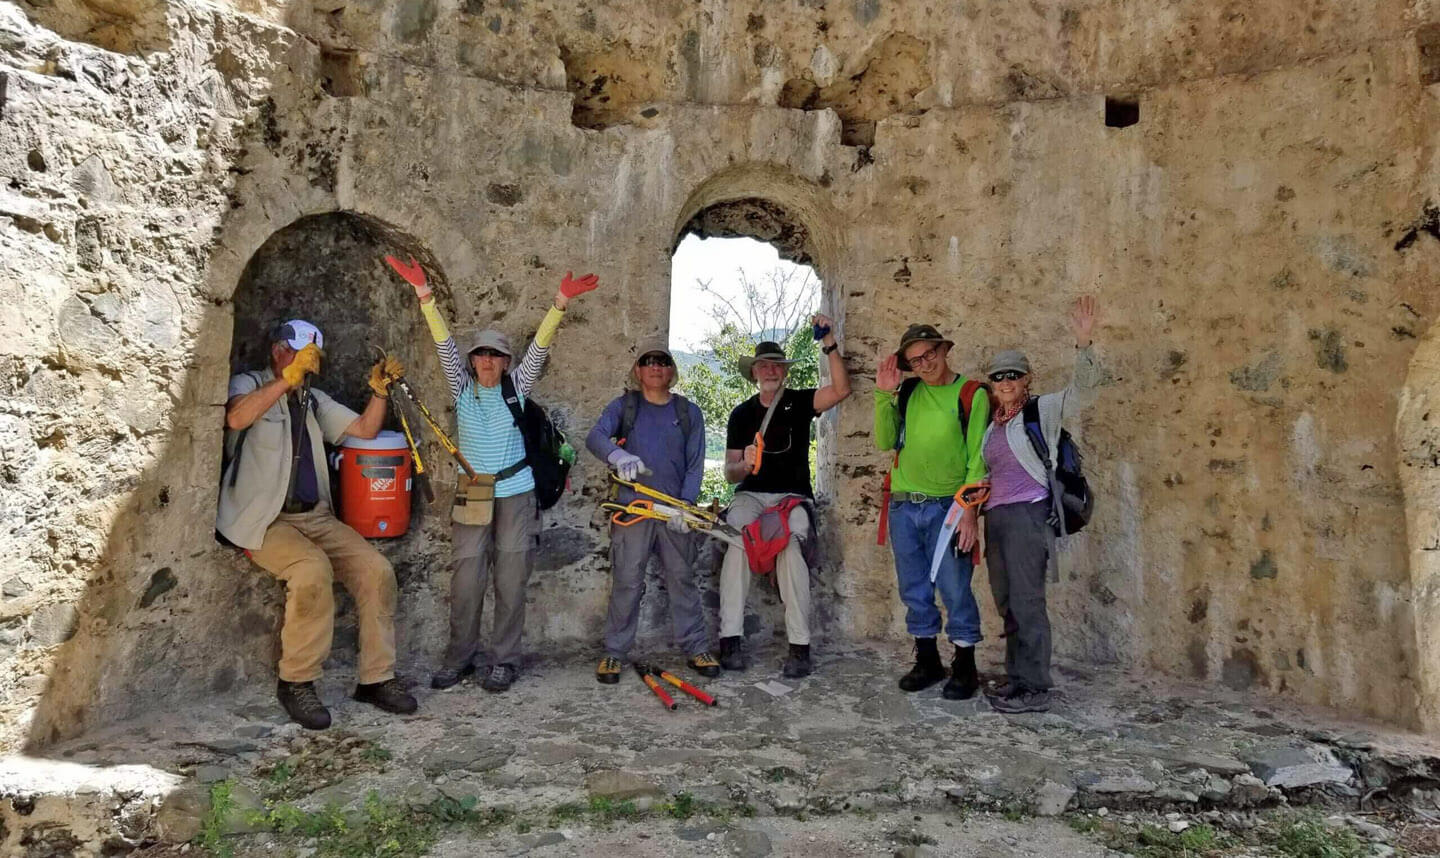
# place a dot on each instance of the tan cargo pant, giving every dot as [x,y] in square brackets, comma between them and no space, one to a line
[309,551]
[792,576]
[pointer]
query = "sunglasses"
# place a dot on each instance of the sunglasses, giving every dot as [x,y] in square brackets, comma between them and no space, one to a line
[926,356]
[655,360]
[490,353]
[1007,375]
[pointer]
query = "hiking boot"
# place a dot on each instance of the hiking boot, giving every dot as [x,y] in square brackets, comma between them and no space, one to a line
[445,677]
[964,679]
[609,671]
[1004,689]
[500,678]
[732,654]
[704,664]
[303,704]
[927,670]
[1023,700]
[798,664]
[389,695]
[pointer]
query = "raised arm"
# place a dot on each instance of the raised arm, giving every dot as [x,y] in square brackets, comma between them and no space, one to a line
[887,410]
[450,362]
[533,363]
[834,393]
[1085,383]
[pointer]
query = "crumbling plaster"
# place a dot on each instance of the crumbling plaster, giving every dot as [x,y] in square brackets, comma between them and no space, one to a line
[1259,321]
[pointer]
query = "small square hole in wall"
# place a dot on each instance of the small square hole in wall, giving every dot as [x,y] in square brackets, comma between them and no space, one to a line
[340,73]
[1427,47]
[1121,112]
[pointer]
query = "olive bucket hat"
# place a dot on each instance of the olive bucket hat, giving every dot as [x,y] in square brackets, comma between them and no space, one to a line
[918,334]
[766,350]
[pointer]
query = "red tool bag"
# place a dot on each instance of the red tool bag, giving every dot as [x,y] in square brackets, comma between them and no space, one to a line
[767,536]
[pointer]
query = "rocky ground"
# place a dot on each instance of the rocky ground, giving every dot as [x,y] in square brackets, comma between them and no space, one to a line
[842,763]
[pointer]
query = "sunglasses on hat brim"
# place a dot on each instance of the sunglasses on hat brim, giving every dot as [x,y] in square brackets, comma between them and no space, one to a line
[489,352]
[655,359]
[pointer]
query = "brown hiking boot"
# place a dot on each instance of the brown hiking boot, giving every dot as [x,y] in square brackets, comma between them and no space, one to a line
[302,704]
[608,671]
[704,664]
[389,695]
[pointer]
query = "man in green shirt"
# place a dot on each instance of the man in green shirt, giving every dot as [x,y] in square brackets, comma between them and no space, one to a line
[937,454]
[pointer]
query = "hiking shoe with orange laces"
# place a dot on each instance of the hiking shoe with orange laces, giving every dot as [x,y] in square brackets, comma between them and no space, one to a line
[704,664]
[609,671]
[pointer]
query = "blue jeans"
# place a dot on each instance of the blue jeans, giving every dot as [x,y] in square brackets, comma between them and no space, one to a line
[914,529]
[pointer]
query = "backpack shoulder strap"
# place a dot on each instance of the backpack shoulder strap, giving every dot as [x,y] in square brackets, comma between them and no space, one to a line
[902,401]
[1030,413]
[629,408]
[512,399]
[682,416]
[967,399]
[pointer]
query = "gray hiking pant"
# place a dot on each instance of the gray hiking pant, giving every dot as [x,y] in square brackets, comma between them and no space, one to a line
[630,551]
[1018,546]
[502,552]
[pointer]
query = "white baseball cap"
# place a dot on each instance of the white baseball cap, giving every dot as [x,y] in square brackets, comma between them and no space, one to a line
[297,334]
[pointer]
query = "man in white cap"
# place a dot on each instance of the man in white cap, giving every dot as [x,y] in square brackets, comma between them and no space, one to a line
[775,473]
[275,504]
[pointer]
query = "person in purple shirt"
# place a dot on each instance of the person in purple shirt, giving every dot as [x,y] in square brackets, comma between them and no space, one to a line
[651,435]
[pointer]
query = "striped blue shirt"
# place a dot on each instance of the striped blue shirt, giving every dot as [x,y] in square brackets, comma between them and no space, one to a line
[487,433]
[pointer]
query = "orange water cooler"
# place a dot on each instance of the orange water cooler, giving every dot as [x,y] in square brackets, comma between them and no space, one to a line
[375,485]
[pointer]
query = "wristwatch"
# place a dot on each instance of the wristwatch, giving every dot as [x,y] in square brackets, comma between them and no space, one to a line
[830,348]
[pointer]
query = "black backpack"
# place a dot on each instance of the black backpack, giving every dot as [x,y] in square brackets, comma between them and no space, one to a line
[1076,501]
[543,443]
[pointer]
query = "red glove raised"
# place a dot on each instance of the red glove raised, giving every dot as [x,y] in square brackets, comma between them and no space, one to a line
[413,274]
[570,287]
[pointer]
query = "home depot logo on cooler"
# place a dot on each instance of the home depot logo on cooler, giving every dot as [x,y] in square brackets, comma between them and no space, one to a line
[382,484]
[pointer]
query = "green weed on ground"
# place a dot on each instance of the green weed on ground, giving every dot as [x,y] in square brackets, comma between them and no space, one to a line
[1307,836]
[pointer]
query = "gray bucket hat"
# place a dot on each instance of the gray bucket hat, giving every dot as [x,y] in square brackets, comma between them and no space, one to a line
[917,334]
[1010,360]
[651,346]
[766,350]
[491,339]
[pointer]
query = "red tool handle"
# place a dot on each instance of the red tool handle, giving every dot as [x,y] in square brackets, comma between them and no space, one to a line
[659,692]
[688,688]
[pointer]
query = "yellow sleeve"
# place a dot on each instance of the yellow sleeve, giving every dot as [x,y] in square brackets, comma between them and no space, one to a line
[438,331]
[548,326]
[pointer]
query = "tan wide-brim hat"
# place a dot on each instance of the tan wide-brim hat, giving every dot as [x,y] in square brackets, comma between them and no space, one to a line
[651,346]
[767,350]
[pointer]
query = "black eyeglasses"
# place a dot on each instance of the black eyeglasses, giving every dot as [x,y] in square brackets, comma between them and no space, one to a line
[655,360]
[1007,375]
[492,353]
[926,356]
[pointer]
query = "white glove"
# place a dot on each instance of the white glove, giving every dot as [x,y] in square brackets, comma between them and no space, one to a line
[676,522]
[627,465]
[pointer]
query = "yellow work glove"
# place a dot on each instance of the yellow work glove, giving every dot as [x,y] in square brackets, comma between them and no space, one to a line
[383,374]
[306,361]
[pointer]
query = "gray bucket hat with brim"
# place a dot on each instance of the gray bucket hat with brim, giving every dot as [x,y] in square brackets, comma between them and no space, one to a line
[491,339]
[918,334]
[1009,360]
[766,350]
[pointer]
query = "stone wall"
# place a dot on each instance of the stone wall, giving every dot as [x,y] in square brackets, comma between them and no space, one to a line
[1261,240]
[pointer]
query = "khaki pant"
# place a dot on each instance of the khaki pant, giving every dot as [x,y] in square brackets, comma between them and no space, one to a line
[792,576]
[502,554]
[309,551]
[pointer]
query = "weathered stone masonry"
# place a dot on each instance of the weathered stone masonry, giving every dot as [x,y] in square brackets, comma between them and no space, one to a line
[1259,240]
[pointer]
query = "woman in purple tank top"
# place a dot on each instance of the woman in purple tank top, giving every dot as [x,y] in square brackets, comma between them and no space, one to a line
[1019,515]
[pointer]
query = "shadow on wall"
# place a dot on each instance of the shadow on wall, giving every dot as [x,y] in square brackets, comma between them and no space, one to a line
[170,615]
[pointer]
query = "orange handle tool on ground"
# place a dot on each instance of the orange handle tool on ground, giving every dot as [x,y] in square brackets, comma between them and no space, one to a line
[685,686]
[655,687]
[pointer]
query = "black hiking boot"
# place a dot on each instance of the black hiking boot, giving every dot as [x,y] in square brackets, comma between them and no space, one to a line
[500,678]
[927,670]
[389,695]
[302,704]
[732,654]
[964,679]
[445,677]
[798,664]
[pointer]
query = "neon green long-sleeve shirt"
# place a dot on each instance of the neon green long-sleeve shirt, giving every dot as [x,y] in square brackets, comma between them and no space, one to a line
[936,460]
